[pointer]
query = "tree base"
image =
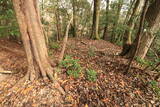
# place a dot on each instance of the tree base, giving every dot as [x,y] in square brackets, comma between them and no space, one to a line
[125,50]
[32,75]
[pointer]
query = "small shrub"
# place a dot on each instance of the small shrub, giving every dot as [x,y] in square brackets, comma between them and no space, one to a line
[91,75]
[144,62]
[156,89]
[54,45]
[72,66]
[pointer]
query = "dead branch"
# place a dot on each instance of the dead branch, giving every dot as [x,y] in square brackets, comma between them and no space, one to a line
[65,40]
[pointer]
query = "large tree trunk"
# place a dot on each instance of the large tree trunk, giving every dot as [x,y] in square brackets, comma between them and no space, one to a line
[105,34]
[95,25]
[153,20]
[33,39]
[131,24]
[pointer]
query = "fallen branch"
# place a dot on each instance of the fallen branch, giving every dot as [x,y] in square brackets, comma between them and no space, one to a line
[2,71]
[83,43]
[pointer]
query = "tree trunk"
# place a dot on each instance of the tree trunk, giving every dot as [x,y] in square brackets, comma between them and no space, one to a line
[135,45]
[65,40]
[74,2]
[95,25]
[58,25]
[130,11]
[119,7]
[153,19]
[105,34]
[131,24]
[28,18]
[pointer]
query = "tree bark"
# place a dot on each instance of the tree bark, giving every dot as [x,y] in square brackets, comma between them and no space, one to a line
[28,18]
[131,24]
[139,33]
[153,19]
[65,40]
[74,18]
[130,11]
[95,25]
[58,25]
[105,34]
[119,7]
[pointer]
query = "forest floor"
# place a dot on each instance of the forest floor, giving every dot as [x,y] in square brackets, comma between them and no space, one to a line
[112,88]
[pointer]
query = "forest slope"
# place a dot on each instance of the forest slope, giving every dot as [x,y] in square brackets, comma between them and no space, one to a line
[112,87]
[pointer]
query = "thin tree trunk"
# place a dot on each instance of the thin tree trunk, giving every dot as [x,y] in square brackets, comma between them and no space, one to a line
[130,11]
[58,25]
[65,40]
[74,2]
[95,25]
[119,7]
[105,34]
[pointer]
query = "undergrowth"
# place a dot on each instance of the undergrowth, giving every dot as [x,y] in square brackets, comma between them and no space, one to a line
[156,88]
[74,69]
[91,75]
[54,45]
[72,66]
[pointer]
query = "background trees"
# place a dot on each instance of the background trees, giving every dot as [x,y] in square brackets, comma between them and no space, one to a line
[95,25]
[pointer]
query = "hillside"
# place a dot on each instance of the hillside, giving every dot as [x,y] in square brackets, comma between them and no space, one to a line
[112,86]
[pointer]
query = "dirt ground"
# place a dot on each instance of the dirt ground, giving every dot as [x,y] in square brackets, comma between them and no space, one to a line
[112,88]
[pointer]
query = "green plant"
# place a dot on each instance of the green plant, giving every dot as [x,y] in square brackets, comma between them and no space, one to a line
[91,51]
[91,75]
[54,45]
[72,66]
[144,62]
[8,26]
[156,89]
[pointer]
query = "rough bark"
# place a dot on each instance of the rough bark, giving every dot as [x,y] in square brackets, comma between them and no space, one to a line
[131,24]
[105,34]
[153,20]
[28,18]
[95,25]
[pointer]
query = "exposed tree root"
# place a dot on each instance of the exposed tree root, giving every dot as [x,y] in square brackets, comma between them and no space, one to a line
[48,76]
